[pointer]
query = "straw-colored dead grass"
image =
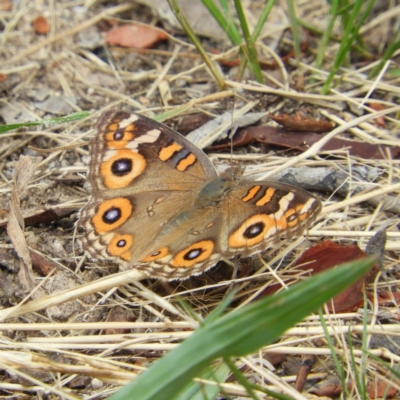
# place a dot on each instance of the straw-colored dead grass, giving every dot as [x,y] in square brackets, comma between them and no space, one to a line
[81,329]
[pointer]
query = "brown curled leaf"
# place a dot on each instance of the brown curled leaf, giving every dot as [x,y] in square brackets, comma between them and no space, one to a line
[389,298]
[329,388]
[5,5]
[327,255]
[300,123]
[241,138]
[303,140]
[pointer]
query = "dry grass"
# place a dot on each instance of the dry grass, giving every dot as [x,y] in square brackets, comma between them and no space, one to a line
[80,328]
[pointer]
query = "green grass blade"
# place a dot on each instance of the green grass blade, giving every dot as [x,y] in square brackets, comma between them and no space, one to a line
[327,33]
[241,378]
[353,25]
[261,21]
[59,120]
[240,332]
[336,361]
[224,5]
[214,69]
[250,50]
[196,391]
[389,52]
[295,28]
[219,310]
[225,21]
[363,368]
[356,371]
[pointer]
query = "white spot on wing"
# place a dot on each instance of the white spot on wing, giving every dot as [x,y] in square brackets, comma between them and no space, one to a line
[283,205]
[307,206]
[132,145]
[149,137]
[109,154]
[270,232]
[97,246]
[92,237]
[125,122]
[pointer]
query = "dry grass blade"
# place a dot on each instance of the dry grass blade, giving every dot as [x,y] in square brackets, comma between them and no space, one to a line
[94,319]
[108,282]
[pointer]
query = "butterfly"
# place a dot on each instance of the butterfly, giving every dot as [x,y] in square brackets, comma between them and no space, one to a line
[157,203]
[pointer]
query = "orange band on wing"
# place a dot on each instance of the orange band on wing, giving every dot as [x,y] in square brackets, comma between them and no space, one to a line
[186,162]
[167,152]
[251,193]
[266,198]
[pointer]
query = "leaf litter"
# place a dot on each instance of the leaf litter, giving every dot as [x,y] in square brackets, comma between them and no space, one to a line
[53,319]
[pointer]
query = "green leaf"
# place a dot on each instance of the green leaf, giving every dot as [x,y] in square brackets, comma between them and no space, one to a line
[196,391]
[240,332]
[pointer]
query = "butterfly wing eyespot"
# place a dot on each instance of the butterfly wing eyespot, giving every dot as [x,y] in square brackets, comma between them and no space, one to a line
[157,255]
[119,244]
[195,253]
[111,214]
[121,169]
[252,231]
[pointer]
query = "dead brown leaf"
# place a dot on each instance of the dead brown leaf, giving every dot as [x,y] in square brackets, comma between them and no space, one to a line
[136,36]
[303,140]
[301,123]
[24,170]
[41,25]
[327,255]
[5,5]
[379,388]
[380,121]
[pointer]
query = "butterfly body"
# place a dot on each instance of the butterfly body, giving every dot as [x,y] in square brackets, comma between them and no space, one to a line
[159,205]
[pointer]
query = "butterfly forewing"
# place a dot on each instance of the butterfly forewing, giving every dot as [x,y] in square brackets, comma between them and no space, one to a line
[134,153]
